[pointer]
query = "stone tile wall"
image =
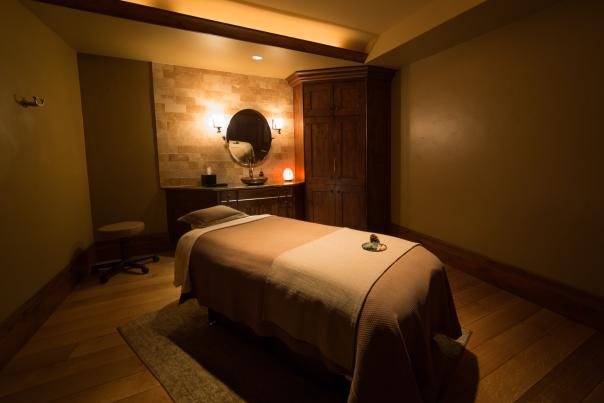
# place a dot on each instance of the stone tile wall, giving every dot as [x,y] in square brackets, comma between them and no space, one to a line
[185,101]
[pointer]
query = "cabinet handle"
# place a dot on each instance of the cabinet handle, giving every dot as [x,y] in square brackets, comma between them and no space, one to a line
[334,166]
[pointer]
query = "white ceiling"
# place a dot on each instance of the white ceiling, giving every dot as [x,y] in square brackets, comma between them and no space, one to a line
[373,26]
[392,32]
[269,20]
[375,16]
[109,36]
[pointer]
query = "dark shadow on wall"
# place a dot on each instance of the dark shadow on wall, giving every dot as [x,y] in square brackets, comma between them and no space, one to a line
[121,142]
[161,193]
[395,148]
[400,146]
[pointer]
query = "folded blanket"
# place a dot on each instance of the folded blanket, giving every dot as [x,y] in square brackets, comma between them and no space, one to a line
[315,291]
[396,359]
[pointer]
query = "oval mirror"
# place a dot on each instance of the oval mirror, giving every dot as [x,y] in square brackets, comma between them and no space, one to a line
[249,137]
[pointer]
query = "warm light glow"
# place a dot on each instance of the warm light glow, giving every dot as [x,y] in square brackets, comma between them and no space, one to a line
[218,121]
[256,57]
[278,124]
[271,20]
[288,175]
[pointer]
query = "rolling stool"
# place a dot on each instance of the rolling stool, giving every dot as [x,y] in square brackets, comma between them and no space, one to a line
[122,231]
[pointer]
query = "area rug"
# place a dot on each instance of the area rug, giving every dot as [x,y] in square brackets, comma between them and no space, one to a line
[196,362]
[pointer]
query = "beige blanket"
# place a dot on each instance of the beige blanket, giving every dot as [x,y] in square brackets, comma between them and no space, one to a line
[185,245]
[324,283]
[396,360]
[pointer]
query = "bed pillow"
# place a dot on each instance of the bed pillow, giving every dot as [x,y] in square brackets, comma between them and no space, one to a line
[210,216]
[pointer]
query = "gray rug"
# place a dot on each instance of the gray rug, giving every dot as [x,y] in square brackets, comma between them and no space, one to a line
[198,363]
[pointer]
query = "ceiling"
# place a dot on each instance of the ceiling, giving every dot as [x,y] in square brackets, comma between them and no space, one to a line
[375,16]
[373,26]
[269,20]
[391,32]
[116,37]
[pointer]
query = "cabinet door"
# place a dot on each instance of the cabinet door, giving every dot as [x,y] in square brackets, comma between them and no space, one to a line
[318,99]
[228,198]
[349,144]
[349,98]
[351,207]
[321,204]
[286,202]
[318,150]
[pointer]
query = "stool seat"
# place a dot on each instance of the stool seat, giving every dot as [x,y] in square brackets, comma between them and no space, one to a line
[125,229]
[122,231]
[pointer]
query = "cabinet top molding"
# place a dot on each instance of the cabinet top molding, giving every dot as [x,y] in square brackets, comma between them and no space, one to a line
[340,73]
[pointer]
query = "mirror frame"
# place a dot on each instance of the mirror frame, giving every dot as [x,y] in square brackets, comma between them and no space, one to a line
[231,127]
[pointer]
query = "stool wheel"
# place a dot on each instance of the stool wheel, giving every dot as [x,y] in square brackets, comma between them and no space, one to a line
[104,279]
[145,270]
[155,259]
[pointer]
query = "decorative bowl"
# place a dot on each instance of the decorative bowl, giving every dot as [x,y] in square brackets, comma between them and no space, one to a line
[255,181]
[374,246]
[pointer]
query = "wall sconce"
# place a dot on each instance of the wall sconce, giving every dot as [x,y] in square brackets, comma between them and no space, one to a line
[218,121]
[288,175]
[278,124]
[36,101]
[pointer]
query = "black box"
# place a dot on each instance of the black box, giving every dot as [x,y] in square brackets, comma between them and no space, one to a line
[208,180]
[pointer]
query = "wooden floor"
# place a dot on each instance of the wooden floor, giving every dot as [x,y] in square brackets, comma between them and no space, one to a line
[518,350]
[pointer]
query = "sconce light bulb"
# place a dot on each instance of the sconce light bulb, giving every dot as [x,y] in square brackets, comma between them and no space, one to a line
[218,122]
[278,124]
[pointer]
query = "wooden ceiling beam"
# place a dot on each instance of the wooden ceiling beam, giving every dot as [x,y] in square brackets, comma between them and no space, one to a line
[166,18]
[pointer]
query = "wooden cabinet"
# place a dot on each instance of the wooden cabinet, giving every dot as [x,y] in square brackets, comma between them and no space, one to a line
[281,200]
[321,204]
[342,124]
[319,149]
[318,100]
[348,98]
[349,150]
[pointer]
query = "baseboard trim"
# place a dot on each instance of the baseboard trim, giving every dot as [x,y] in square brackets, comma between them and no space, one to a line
[568,301]
[21,325]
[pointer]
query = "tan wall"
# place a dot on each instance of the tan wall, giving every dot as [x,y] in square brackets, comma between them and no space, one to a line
[502,141]
[44,204]
[185,100]
[117,104]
